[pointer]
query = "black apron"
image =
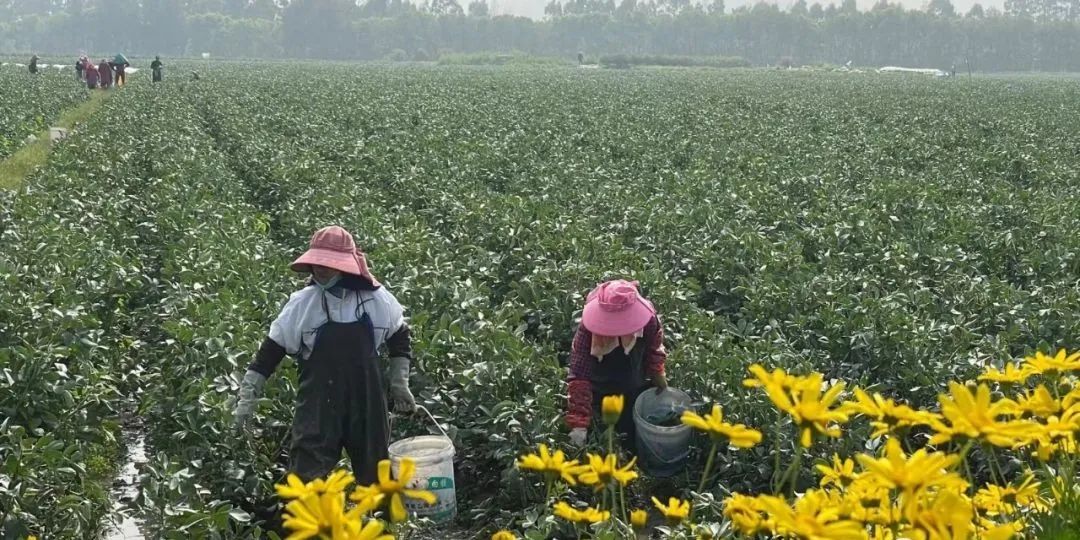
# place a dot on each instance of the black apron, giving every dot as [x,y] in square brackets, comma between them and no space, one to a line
[340,403]
[621,373]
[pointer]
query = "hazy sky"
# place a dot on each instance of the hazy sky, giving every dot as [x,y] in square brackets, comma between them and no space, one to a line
[535,8]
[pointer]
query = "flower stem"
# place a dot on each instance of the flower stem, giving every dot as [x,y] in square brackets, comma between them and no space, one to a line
[995,467]
[776,480]
[622,503]
[708,466]
[793,471]
[610,440]
[964,459]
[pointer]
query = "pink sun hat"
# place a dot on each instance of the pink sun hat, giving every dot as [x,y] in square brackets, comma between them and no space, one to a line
[333,247]
[615,309]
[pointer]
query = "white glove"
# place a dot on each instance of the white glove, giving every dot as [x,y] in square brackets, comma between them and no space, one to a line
[251,389]
[578,436]
[399,385]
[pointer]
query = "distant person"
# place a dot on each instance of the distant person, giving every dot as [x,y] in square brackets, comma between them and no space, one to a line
[155,68]
[952,71]
[91,75]
[80,69]
[105,73]
[33,65]
[194,75]
[120,64]
[580,58]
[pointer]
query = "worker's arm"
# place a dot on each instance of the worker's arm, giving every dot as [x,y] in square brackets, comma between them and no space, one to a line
[579,382]
[268,358]
[284,338]
[400,349]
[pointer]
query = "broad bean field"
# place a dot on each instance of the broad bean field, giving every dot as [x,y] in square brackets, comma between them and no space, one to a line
[894,232]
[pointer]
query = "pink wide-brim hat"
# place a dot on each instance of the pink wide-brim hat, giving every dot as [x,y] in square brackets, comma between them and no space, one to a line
[615,309]
[333,247]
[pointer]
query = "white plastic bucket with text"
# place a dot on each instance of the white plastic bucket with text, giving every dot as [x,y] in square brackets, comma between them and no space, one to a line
[434,458]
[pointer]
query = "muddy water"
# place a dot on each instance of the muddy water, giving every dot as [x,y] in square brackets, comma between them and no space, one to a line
[122,524]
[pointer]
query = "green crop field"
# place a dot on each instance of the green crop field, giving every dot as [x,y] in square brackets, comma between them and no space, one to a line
[893,232]
[28,104]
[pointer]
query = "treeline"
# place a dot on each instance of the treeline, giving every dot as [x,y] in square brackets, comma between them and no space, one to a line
[1027,35]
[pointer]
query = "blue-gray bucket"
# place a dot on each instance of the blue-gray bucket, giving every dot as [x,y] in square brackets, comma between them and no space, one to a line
[662,450]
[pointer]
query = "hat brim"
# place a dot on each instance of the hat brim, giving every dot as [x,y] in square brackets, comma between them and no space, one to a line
[618,323]
[342,262]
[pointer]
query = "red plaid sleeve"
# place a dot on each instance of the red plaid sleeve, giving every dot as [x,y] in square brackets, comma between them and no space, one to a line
[579,410]
[656,355]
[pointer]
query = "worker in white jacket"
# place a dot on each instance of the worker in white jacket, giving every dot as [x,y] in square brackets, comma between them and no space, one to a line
[334,329]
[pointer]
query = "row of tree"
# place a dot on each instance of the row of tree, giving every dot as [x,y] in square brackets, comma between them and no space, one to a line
[1028,35]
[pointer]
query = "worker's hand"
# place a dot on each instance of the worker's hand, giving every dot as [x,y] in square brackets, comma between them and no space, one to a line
[660,382]
[251,389]
[404,402]
[578,436]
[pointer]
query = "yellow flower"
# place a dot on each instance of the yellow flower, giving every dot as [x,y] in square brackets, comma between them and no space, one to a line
[841,474]
[294,488]
[587,516]
[1060,363]
[813,517]
[602,471]
[1038,403]
[886,415]
[947,517]
[372,531]
[675,511]
[778,378]
[745,513]
[555,465]
[1012,374]
[1072,398]
[974,416]
[612,407]
[911,474]
[638,519]
[810,410]
[736,434]
[395,490]
[868,500]
[504,535]
[995,500]
[322,515]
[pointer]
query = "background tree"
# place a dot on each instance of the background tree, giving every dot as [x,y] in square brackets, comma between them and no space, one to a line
[478,8]
[941,8]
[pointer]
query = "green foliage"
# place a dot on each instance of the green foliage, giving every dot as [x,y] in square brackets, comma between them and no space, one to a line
[895,232]
[30,103]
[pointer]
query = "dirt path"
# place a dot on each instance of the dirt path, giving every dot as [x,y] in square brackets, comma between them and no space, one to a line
[122,524]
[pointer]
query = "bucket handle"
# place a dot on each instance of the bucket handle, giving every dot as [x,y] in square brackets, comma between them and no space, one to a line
[430,416]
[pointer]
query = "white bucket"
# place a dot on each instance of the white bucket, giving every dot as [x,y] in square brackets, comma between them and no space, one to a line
[434,458]
[662,450]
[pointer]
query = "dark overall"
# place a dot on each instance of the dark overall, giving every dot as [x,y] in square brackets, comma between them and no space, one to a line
[621,373]
[340,403]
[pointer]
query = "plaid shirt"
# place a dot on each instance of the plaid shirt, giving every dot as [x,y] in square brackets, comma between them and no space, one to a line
[579,412]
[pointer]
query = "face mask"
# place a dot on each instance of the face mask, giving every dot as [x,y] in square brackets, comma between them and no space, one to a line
[329,284]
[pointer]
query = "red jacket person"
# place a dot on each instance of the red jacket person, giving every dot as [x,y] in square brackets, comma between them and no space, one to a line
[618,349]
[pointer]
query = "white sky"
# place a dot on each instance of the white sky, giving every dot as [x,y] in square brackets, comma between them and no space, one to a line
[535,8]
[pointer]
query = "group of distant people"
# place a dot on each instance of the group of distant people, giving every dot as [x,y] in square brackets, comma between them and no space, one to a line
[107,73]
[104,74]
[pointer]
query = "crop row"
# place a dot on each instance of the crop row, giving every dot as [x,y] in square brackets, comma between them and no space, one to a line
[30,102]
